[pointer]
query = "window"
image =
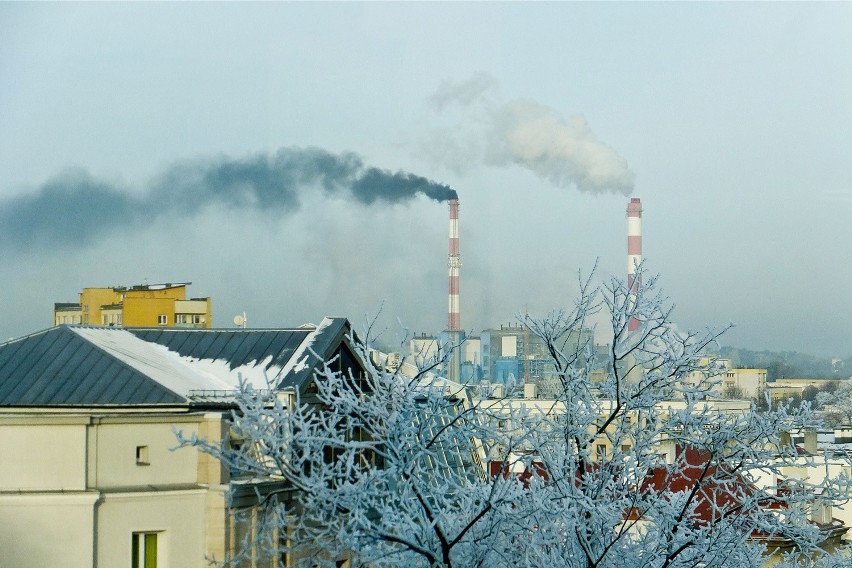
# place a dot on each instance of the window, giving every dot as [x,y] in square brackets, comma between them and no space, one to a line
[142,455]
[143,553]
[601,450]
[162,319]
[111,319]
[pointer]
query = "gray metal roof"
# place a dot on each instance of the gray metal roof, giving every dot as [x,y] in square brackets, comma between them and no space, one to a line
[82,365]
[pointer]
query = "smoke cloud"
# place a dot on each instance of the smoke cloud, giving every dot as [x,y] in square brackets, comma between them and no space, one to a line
[464,93]
[562,150]
[75,208]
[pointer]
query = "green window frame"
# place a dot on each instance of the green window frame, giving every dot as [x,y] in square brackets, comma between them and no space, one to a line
[143,552]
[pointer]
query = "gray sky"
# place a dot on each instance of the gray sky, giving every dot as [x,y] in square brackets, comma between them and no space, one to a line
[149,141]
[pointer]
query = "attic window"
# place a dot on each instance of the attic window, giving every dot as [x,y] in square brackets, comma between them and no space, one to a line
[142,455]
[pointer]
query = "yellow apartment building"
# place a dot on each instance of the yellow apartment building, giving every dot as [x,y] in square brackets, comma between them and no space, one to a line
[145,305]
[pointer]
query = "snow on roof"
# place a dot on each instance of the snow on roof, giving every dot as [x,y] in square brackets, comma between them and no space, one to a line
[177,373]
[299,361]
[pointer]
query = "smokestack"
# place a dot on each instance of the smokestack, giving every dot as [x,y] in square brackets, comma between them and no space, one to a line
[634,250]
[454,263]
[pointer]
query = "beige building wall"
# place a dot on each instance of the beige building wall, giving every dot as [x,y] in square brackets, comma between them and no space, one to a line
[749,381]
[74,489]
[45,530]
[801,384]
[193,313]
[176,516]
[43,456]
[117,440]
[67,316]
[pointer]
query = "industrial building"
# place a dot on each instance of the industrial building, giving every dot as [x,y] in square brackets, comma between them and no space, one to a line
[427,350]
[144,305]
[513,354]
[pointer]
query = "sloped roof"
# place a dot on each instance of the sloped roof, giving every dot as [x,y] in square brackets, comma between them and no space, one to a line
[82,365]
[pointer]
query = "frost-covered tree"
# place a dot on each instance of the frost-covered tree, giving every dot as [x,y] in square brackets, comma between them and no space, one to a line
[838,401]
[637,467]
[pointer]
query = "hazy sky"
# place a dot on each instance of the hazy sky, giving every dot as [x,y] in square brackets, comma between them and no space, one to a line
[236,145]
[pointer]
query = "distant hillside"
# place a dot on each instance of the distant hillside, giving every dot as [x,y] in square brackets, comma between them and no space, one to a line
[789,364]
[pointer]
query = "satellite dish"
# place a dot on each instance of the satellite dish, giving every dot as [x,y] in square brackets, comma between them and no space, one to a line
[239,321]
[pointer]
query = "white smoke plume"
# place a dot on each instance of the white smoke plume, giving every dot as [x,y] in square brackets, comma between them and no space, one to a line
[562,150]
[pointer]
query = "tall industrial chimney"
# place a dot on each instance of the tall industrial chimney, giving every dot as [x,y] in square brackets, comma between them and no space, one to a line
[454,263]
[454,336]
[634,250]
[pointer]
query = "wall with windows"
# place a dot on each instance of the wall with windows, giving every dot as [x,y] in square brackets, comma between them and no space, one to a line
[193,313]
[46,512]
[74,489]
[149,312]
[137,306]
[72,316]
[132,450]
[749,381]
[91,300]
[175,519]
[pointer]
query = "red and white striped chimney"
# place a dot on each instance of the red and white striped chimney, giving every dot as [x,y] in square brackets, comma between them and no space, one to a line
[634,249]
[454,263]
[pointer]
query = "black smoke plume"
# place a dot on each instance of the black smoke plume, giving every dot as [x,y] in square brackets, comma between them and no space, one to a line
[75,208]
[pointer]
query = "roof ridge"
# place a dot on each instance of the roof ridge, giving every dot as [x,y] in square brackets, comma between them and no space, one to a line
[33,334]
